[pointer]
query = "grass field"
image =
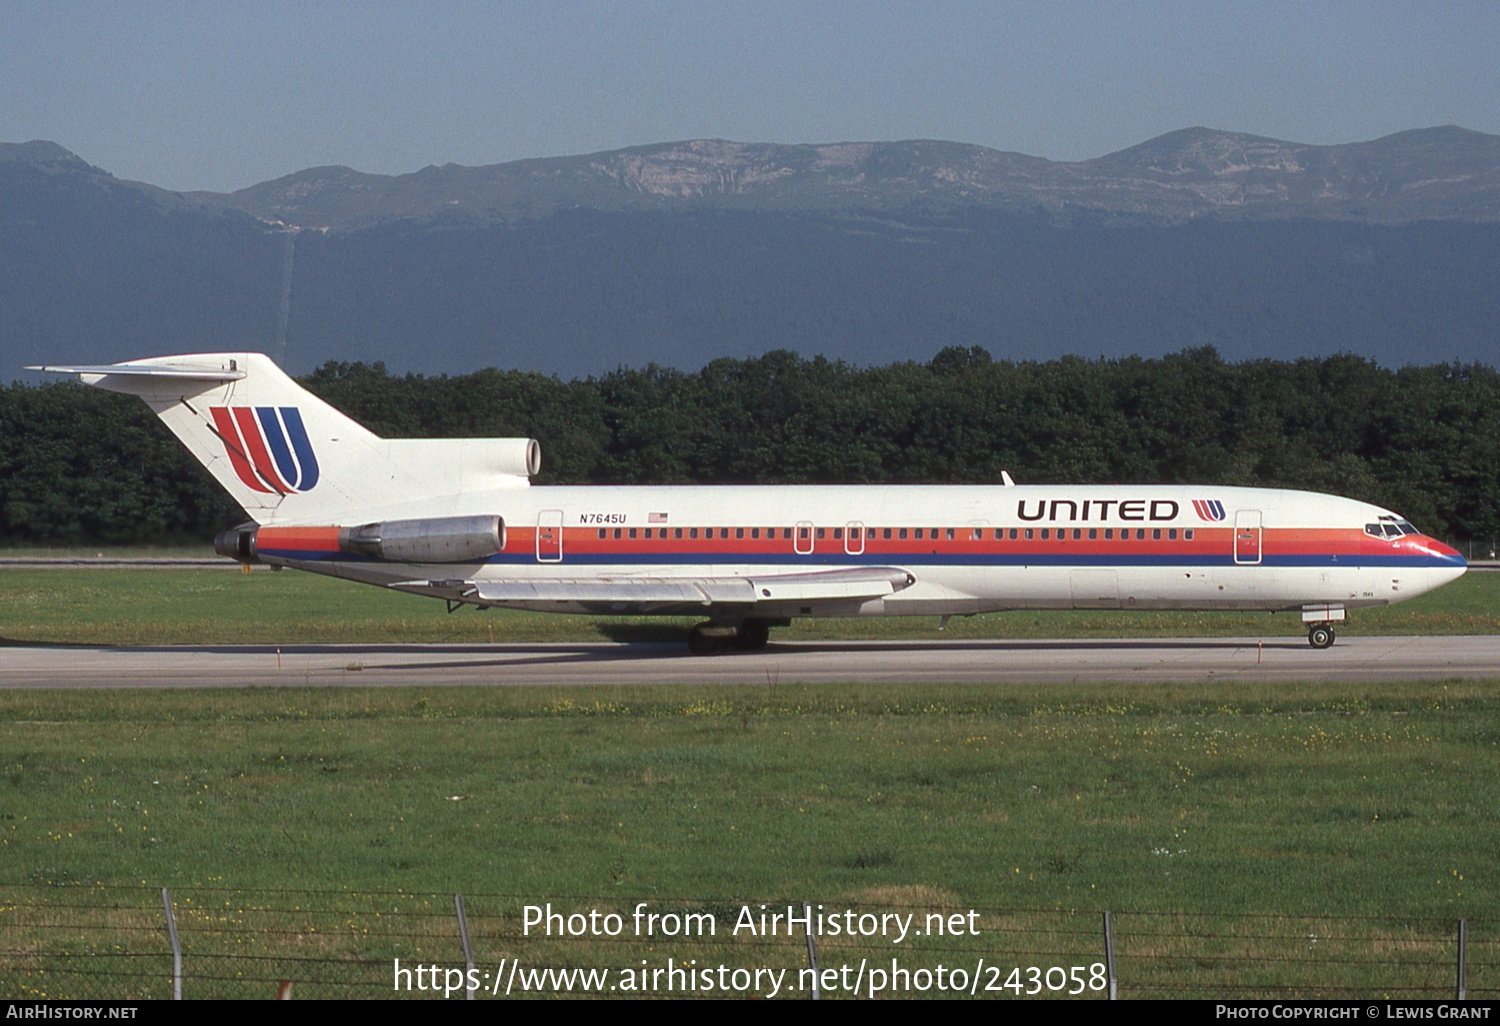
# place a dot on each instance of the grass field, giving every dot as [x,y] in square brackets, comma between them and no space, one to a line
[1334,800]
[149,606]
[1340,798]
[1041,805]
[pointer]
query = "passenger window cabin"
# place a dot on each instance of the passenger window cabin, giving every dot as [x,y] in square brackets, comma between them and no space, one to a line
[856,534]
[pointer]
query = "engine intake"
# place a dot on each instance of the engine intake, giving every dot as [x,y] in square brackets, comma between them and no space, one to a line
[428,540]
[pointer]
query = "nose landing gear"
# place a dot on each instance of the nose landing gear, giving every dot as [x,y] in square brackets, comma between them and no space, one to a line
[1320,635]
[1320,618]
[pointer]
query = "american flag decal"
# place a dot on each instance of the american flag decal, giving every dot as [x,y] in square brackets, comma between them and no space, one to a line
[656,518]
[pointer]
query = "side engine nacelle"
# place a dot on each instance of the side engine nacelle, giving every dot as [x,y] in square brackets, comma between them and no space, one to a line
[428,540]
[425,540]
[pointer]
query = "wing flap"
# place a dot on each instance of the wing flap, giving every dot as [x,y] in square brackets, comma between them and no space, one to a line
[590,590]
[863,583]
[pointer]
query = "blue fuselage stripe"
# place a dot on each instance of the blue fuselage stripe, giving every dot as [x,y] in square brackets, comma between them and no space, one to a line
[913,559]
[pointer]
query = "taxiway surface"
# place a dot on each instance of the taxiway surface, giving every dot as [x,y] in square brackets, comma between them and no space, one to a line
[997,662]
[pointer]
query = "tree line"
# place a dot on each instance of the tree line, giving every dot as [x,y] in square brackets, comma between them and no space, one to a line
[83,467]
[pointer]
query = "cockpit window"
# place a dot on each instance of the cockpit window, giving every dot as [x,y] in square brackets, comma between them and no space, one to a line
[1391,527]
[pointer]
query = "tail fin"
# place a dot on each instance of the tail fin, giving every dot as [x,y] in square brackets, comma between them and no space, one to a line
[287,456]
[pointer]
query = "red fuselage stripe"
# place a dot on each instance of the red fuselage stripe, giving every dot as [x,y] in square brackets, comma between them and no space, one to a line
[585,541]
[299,539]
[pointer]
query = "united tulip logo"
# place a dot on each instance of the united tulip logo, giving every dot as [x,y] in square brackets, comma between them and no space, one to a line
[1209,509]
[268,447]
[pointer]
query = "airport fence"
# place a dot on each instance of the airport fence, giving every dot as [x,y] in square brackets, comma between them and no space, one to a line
[141,943]
[1478,550]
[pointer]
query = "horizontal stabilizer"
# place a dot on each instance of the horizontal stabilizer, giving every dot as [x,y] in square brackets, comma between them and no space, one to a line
[140,370]
[864,583]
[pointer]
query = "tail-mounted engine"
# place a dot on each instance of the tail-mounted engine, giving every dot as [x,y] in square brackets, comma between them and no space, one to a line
[238,543]
[429,540]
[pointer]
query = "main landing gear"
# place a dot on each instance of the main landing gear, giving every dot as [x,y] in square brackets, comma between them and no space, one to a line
[1320,635]
[709,638]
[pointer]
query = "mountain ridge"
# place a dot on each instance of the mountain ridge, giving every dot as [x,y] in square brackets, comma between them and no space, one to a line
[1441,173]
[1422,174]
[680,253]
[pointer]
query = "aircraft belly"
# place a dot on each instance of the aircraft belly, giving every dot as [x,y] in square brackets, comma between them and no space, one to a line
[375,571]
[937,590]
[1095,588]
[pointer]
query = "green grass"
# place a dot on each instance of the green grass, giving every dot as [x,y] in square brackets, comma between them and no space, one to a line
[1348,798]
[1318,801]
[148,606]
[109,552]
[1168,804]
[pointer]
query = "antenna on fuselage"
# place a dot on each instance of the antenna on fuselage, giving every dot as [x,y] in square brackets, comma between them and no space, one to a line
[1005,479]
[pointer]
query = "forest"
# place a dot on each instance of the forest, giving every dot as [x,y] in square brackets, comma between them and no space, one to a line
[84,467]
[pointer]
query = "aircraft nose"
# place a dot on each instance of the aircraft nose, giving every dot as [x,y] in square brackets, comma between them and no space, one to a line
[1447,564]
[1437,548]
[1438,576]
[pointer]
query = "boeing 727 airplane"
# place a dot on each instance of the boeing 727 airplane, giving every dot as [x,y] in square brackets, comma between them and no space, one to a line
[458,519]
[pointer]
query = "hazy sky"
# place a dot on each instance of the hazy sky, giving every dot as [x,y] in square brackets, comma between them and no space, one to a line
[220,96]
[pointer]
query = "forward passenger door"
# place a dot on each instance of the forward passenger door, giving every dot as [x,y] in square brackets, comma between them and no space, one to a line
[1247,534]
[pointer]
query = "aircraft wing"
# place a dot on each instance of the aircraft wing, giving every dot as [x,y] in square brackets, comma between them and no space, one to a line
[861,583]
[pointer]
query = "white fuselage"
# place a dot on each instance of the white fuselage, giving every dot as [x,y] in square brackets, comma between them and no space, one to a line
[966,549]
